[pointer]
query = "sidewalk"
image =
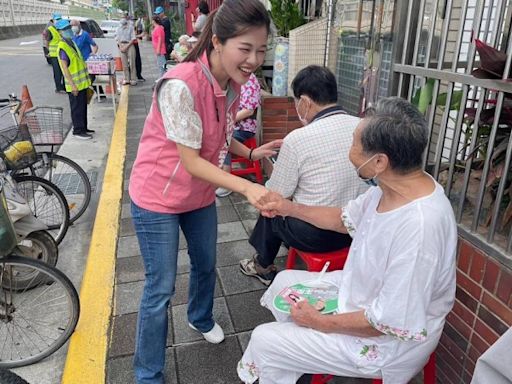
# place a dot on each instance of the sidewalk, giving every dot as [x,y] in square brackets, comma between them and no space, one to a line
[190,359]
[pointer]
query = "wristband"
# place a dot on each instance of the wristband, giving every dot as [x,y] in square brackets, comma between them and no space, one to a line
[250,153]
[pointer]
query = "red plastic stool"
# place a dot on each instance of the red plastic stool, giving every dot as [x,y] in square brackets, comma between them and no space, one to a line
[429,374]
[316,261]
[251,166]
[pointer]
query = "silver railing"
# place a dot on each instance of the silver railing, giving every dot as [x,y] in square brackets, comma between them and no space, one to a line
[462,155]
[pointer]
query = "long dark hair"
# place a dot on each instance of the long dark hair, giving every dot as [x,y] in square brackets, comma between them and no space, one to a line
[233,18]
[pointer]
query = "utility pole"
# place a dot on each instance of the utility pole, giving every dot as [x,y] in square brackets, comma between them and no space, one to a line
[150,11]
[131,8]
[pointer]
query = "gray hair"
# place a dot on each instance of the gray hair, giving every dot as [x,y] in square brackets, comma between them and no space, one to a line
[396,128]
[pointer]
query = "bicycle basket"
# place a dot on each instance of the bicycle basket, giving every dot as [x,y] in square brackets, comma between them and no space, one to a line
[45,125]
[7,234]
[16,148]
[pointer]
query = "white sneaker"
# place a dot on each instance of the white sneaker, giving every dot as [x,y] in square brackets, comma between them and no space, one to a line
[214,336]
[223,192]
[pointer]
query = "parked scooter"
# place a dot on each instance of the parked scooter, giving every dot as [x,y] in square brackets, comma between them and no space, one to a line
[33,239]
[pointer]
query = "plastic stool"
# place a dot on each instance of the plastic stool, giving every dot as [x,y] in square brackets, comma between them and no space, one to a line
[316,261]
[251,166]
[429,374]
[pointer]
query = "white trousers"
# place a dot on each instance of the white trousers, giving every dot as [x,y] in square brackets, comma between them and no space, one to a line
[281,352]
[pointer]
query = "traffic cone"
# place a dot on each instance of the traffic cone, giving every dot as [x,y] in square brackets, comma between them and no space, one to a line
[25,98]
[26,103]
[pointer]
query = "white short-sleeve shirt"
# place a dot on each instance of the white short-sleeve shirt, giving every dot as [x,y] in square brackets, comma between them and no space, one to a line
[401,271]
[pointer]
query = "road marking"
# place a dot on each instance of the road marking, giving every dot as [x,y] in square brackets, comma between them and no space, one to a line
[87,353]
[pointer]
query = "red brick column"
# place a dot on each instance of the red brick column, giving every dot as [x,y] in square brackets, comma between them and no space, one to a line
[481,314]
[278,117]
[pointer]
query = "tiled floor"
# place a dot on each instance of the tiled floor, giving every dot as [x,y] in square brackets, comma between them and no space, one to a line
[190,360]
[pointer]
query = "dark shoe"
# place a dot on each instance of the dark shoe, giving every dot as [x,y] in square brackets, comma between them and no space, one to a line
[90,131]
[60,91]
[250,267]
[82,136]
[141,79]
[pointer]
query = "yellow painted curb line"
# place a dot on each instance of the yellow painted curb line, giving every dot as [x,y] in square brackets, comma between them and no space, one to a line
[87,353]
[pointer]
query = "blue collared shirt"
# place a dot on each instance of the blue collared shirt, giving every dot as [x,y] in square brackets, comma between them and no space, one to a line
[84,42]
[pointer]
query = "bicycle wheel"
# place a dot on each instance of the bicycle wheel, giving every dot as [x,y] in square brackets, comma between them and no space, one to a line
[46,202]
[34,322]
[39,245]
[8,377]
[69,177]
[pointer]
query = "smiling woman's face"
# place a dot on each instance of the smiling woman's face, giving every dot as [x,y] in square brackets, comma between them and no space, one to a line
[242,55]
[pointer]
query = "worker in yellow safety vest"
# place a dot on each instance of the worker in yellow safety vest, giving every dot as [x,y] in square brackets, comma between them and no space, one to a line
[51,39]
[77,80]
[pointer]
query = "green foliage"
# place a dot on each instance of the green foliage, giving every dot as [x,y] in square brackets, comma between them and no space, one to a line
[120,4]
[286,15]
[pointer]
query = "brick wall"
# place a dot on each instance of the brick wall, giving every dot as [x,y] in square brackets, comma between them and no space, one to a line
[278,117]
[481,314]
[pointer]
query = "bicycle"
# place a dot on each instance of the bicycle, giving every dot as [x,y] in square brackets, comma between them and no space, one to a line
[39,306]
[45,199]
[46,127]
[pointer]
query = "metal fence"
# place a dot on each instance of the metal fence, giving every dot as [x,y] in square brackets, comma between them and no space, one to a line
[470,146]
[425,51]
[28,12]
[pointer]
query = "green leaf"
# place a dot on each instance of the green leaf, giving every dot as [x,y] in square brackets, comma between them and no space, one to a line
[455,102]
[425,97]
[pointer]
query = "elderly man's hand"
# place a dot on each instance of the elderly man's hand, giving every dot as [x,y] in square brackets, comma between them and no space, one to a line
[273,204]
[305,315]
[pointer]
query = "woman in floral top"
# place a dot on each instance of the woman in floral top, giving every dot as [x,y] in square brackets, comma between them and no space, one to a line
[398,283]
[246,124]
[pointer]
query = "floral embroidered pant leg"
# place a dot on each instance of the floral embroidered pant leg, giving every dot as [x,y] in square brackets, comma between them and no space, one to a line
[280,352]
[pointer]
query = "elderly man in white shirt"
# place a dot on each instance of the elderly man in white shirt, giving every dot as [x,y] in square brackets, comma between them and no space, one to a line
[398,284]
[312,168]
[125,37]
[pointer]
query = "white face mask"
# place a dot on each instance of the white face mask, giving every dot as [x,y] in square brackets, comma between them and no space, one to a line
[75,29]
[301,118]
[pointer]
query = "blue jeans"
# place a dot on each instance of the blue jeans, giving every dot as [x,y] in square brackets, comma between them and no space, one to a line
[240,136]
[158,235]
[160,63]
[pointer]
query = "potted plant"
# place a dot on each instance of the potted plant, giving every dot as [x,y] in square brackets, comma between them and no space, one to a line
[286,16]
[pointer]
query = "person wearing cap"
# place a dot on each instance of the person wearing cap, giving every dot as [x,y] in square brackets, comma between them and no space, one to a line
[51,39]
[125,37]
[77,79]
[166,23]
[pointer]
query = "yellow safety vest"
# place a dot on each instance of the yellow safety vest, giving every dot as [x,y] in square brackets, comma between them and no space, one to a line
[54,42]
[77,67]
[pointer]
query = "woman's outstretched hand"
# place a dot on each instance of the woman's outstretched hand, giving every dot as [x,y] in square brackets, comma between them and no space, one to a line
[273,204]
[255,193]
[266,150]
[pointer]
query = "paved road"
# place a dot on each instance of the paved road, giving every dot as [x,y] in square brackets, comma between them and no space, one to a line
[25,64]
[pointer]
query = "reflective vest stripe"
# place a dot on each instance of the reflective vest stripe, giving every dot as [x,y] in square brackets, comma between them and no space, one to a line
[54,42]
[77,67]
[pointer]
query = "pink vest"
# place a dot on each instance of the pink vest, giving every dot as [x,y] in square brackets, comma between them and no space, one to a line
[159,181]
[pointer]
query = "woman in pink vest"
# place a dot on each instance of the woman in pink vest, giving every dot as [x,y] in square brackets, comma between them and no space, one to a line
[186,137]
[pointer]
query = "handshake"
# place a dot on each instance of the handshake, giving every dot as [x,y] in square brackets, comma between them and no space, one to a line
[271,204]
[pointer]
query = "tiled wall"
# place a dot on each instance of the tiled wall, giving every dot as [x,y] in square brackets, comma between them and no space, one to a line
[482,313]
